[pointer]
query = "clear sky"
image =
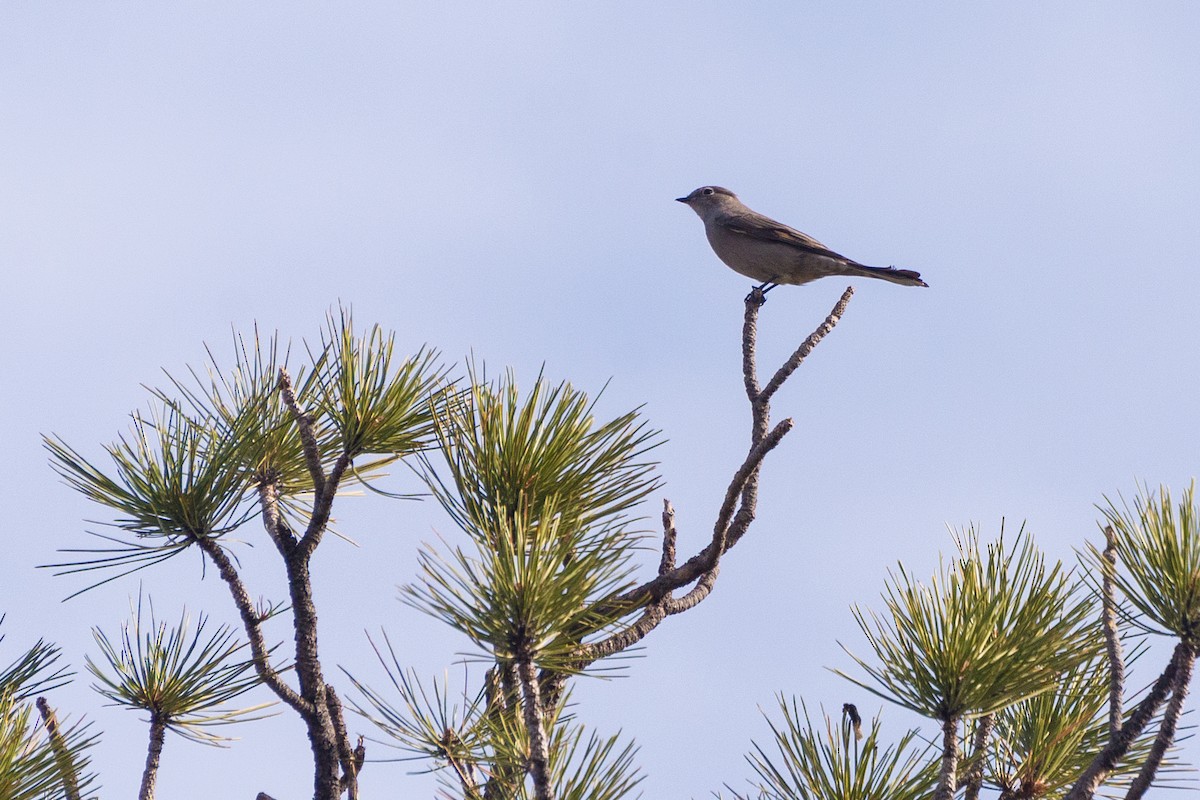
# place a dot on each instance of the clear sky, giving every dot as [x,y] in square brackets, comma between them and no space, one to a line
[499,178]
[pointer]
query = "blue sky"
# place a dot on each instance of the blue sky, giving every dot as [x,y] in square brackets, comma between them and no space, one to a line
[499,180]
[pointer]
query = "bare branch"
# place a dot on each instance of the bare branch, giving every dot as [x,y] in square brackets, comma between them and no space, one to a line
[277,528]
[252,622]
[628,636]
[948,776]
[62,754]
[308,437]
[809,344]
[1166,730]
[323,507]
[669,536]
[734,517]
[349,760]
[979,742]
[1096,773]
[746,476]
[737,509]
[655,589]
[749,341]
[1112,638]
[704,586]
[531,707]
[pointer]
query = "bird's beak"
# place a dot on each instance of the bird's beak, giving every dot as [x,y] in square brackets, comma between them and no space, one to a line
[680,199]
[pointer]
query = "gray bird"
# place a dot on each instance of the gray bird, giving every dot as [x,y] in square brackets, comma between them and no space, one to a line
[771,252]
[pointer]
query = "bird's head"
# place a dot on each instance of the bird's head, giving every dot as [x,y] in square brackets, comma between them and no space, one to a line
[710,199]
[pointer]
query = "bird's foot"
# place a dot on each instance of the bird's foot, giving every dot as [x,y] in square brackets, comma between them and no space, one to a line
[758,295]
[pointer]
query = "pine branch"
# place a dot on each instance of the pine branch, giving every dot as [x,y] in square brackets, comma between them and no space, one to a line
[1091,779]
[531,708]
[1166,730]
[948,776]
[979,743]
[62,753]
[1112,639]
[252,623]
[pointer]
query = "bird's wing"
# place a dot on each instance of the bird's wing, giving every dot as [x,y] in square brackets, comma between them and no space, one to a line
[768,230]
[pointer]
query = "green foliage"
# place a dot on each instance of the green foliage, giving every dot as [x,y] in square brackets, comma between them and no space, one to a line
[591,768]
[530,592]
[181,677]
[173,478]
[30,767]
[1159,551]
[470,738]
[1041,745]
[375,402]
[832,764]
[583,765]
[193,464]
[509,457]
[244,403]
[542,490]
[427,722]
[34,671]
[992,629]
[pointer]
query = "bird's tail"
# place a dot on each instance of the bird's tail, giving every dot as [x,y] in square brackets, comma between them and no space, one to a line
[905,277]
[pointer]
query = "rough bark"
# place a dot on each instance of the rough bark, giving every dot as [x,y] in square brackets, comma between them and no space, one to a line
[535,727]
[322,737]
[1166,731]
[1112,637]
[742,493]
[948,774]
[1096,773]
[158,730]
[979,743]
[62,754]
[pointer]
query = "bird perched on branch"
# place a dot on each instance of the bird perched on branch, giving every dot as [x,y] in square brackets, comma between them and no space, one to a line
[851,711]
[771,252]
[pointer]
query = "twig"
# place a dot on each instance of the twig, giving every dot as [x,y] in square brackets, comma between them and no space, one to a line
[531,707]
[62,754]
[308,437]
[1166,730]
[809,344]
[1112,638]
[351,763]
[1095,774]
[979,742]
[251,621]
[948,776]
[667,563]
[277,528]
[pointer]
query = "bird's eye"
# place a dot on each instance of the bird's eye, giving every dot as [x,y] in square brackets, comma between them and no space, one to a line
[708,190]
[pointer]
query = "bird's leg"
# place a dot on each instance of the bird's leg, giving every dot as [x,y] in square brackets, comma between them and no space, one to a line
[758,295]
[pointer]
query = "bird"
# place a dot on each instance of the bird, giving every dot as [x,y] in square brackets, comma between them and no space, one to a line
[851,711]
[771,252]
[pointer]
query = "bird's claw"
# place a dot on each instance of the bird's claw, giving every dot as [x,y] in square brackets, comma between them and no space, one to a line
[758,295]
